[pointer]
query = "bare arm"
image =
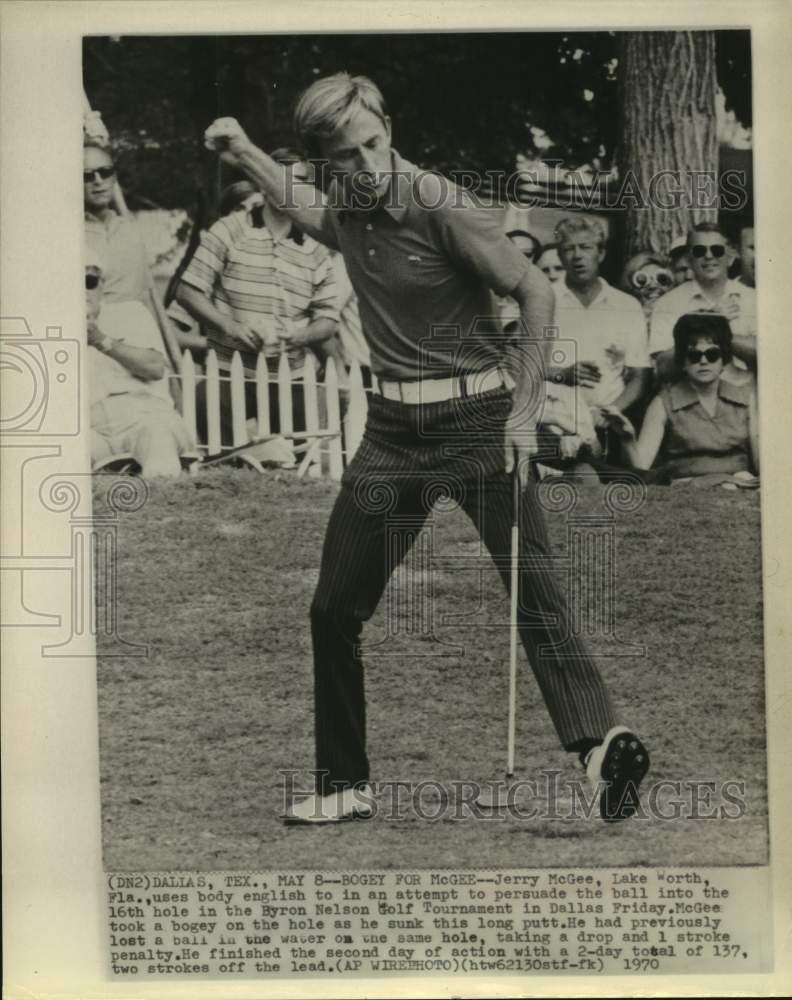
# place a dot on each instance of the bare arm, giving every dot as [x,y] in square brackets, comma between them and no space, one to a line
[642,453]
[316,332]
[201,308]
[143,362]
[744,348]
[301,201]
[636,385]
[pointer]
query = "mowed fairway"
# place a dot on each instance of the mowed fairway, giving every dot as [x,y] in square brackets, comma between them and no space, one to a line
[216,575]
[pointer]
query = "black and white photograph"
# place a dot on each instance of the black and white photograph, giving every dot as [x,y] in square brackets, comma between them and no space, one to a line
[394,327]
[393,533]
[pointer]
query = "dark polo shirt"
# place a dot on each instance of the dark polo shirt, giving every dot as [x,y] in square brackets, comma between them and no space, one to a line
[423,264]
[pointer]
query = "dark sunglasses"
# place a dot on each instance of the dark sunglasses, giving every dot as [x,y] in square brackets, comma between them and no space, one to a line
[92,281]
[711,354]
[641,279]
[717,250]
[103,173]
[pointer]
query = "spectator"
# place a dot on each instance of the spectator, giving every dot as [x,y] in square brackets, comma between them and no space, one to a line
[570,423]
[700,424]
[529,247]
[549,263]
[527,244]
[234,196]
[131,409]
[711,288]
[680,261]
[350,329]
[113,237]
[747,257]
[259,285]
[188,330]
[604,329]
[646,276]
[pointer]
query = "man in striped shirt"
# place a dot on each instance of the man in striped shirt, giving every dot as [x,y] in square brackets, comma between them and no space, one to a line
[259,285]
[424,260]
[350,330]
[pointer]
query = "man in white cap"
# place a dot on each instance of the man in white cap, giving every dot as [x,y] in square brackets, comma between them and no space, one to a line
[131,409]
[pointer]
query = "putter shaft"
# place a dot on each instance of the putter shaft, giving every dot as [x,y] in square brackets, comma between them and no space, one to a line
[514,588]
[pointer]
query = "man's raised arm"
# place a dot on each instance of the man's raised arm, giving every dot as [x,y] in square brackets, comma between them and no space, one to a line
[301,200]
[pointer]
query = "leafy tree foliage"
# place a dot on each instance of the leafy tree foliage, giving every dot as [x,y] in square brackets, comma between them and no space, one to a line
[733,53]
[459,101]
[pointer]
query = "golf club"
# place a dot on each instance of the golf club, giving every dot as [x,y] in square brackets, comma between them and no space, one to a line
[492,798]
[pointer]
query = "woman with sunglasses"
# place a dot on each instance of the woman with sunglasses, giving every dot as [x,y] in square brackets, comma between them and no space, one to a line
[647,276]
[700,423]
[114,238]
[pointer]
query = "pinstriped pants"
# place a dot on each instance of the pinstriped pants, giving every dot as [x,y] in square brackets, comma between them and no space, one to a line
[409,455]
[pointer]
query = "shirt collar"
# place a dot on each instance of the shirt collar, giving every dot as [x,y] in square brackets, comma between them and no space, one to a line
[251,216]
[697,293]
[396,200]
[683,394]
[602,295]
[739,394]
[107,218]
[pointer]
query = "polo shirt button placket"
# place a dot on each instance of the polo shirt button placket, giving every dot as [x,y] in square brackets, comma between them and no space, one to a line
[373,260]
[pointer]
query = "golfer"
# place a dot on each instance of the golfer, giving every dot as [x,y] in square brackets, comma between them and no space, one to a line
[424,259]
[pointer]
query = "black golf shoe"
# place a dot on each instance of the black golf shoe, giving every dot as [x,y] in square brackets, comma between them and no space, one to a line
[616,768]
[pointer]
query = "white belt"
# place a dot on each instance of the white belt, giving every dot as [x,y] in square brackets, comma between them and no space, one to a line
[436,390]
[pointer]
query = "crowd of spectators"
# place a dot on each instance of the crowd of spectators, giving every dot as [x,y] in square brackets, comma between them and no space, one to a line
[657,375]
[132,412]
[665,367]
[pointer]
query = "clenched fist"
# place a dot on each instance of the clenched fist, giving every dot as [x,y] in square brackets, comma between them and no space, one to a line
[95,129]
[95,335]
[227,137]
[730,308]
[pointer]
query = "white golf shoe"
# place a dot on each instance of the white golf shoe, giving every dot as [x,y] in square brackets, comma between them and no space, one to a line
[348,804]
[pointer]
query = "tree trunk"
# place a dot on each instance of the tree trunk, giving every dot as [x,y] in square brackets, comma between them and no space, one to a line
[668,155]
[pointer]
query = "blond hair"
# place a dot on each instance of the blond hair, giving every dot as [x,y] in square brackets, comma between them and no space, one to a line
[330,103]
[580,224]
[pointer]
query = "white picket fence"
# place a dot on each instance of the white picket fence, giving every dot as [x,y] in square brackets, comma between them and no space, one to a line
[326,444]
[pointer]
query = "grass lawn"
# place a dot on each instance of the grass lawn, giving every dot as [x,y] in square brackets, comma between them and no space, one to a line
[216,575]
